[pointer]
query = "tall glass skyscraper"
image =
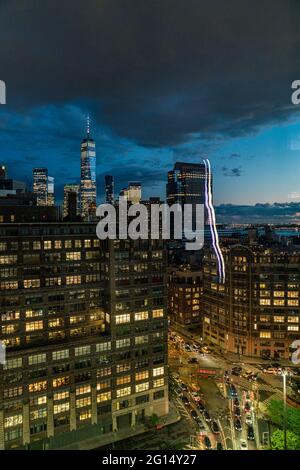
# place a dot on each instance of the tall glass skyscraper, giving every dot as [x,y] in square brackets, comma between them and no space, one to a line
[88,177]
[71,188]
[186,185]
[40,185]
[50,191]
[109,189]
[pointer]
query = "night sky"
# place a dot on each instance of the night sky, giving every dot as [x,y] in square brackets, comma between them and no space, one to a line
[163,81]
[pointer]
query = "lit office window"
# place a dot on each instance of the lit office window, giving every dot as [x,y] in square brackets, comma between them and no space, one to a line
[123,343]
[34,325]
[38,386]
[265,334]
[37,359]
[141,316]
[158,371]
[8,285]
[293,295]
[73,256]
[57,396]
[32,283]
[13,363]
[33,312]
[73,280]
[82,350]
[265,302]
[293,328]
[121,319]
[103,397]
[36,401]
[103,385]
[103,346]
[123,392]
[58,355]
[293,319]
[85,415]
[61,408]
[123,380]
[141,339]
[13,421]
[142,387]
[158,383]
[61,382]
[38,414]
[158,313]
[278,319]
[81,402]
[141,375]
[9,259]
[81,390]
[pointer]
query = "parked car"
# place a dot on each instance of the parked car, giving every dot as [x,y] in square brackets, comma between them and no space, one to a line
[237,412]
[219,446]
[207,443]
[193,360]
[185,400]
[201,407]
[236,371]
[243,444]
[247,407]
[214,427]
[248,419]
[207,416]
[238,425]
[201,425]
[250,433]
[236,402]
[194,414]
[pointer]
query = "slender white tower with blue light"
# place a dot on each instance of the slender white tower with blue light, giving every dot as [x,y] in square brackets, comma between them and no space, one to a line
[88,176]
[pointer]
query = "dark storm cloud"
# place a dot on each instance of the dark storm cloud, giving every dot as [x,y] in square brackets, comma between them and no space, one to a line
[231,171]
[157,72]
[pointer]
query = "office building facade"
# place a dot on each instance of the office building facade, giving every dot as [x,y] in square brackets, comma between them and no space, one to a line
[71,205]
[85,328]
[40,185]
[184,297]
[256,311]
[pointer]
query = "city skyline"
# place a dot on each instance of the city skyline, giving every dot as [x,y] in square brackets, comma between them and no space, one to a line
[149,228]
[173,107]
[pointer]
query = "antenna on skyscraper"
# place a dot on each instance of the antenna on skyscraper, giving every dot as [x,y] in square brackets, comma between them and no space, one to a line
[88,122]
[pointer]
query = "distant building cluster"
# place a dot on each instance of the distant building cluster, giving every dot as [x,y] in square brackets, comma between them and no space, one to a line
[85,321]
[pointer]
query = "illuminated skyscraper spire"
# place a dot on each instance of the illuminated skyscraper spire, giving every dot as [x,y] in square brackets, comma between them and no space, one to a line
[88,124]
[88,175]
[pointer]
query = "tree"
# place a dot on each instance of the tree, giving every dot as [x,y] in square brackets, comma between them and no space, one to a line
[277,440]
[276,415]
[154,419]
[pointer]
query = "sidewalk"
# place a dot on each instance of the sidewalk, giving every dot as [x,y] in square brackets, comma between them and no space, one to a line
[112,437]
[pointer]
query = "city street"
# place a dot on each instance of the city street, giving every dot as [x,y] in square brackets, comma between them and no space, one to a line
[225,390]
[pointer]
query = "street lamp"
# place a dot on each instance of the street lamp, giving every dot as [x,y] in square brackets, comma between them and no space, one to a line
[284,374]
